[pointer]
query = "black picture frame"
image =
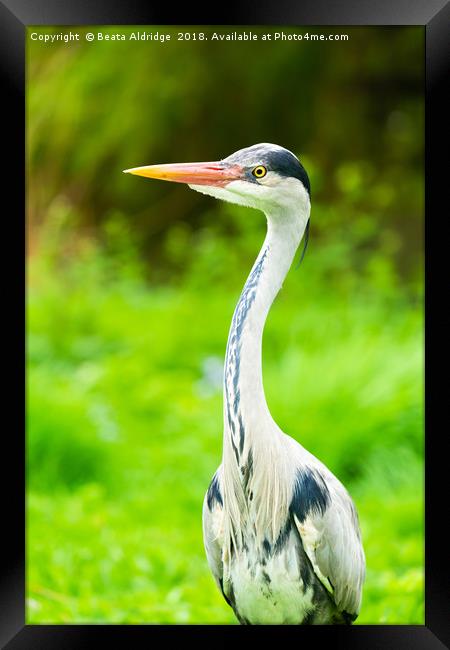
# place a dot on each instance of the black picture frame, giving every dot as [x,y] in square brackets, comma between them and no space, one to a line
[15,16]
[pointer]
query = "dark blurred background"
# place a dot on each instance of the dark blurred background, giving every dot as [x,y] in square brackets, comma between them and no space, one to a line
[352,110]
[132,284]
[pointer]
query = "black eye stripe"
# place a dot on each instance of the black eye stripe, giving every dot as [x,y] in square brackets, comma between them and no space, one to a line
[273,158]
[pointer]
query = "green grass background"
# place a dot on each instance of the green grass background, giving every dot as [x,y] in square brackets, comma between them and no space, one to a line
[131,289]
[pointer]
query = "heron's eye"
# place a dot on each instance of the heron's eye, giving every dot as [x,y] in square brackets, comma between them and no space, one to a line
[259,172]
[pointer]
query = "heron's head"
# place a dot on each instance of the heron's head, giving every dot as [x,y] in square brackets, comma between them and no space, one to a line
[263,176]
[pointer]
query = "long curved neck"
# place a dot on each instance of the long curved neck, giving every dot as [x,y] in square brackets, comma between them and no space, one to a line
[247,420]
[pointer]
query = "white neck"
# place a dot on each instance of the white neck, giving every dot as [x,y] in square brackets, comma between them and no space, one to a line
[247,420]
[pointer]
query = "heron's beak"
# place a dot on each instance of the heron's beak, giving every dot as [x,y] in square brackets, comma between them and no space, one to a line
[204,173]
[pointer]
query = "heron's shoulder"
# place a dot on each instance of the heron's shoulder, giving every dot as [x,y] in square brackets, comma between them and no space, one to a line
[307,467]
[310,494]
[327,521]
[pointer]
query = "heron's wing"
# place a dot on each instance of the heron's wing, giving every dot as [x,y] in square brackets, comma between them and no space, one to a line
[332,540]
[212,528]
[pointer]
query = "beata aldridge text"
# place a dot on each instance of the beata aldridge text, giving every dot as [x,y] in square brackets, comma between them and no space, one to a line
[234,36]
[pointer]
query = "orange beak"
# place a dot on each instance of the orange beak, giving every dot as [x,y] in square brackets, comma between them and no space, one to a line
[204,173]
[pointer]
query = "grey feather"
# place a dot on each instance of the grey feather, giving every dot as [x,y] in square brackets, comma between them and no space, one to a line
[338,551]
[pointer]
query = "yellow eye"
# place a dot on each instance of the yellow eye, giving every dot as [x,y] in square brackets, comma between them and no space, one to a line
[259,172]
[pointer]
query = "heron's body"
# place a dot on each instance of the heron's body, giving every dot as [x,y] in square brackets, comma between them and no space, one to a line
[267,582]
[281,532]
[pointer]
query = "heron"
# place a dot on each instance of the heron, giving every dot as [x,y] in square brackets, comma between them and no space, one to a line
[281,532]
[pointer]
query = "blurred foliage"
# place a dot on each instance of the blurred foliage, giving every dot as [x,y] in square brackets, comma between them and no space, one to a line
[352,110]
[132,285]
